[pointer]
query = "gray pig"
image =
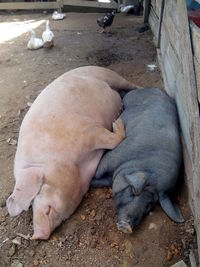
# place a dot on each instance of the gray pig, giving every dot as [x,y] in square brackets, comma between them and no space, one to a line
[144,168]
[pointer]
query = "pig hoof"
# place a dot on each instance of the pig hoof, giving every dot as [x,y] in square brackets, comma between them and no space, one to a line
[118,128]
[124,227]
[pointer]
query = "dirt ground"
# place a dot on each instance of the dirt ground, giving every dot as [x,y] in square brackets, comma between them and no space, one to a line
[90,236]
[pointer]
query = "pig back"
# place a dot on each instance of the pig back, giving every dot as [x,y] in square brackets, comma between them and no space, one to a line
[150,117]
[64,110]
[152,141]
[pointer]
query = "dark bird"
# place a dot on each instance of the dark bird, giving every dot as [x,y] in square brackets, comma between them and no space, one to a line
[106,21]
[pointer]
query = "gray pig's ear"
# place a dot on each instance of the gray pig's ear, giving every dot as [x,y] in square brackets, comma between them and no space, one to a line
[137,182]
[171,209]
[27,186]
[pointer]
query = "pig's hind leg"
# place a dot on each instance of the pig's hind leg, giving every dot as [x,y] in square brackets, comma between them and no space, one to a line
[105,139]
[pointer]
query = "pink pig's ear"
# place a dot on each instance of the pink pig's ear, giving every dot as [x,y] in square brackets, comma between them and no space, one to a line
[27,186]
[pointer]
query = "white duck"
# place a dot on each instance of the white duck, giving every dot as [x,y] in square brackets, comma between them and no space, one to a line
[34,43]
[48,36]
[58,16]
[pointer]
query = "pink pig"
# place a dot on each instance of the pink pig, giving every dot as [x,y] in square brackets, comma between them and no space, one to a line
[61,141]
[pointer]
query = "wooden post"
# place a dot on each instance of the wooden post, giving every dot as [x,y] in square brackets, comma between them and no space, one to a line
[160,23]
[146,10]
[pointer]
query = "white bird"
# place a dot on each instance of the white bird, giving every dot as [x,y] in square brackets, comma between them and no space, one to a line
[34,43]
[57,16]
[48,36]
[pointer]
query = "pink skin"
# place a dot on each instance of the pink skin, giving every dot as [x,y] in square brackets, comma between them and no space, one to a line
[61,141]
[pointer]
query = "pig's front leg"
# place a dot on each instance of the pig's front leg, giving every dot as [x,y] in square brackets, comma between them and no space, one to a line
[105,181]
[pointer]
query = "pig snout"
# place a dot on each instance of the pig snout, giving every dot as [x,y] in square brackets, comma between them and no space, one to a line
[45,220]
[50,208]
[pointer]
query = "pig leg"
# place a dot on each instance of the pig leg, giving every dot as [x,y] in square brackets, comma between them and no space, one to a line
[104,139]
[105,181]
[171,209]
[107,140]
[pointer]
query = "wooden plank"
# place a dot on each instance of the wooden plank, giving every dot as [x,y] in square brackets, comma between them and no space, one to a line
[172,31]
[28,5]
[195,34]
[171,10]
[83,3]
[156,5]
[197,74]
[188,91]
[153,21]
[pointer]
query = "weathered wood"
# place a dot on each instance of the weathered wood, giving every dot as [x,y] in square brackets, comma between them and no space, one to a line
[197,74]
[153,21]
[56,5]
[177,66]
[28,5]
[84,3]
[156,5]
[172,31]
[195,33]
[171,10]
[189,90]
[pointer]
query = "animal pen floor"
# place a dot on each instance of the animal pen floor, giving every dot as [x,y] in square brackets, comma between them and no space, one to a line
[90,236]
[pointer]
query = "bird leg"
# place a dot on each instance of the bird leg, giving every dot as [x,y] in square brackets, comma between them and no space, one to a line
[101,31]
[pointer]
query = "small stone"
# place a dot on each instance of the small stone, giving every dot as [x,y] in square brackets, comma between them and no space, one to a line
[5,240]
[152,226]
[17,240]
[11,141]
[2,203]
[16,263]
[31,253]
[24,236]
[113,245]
[12,251]
[190,231]
[2,219]
[35,263]
[169,255]
[5,212]
[83,217]
[93,213]
[29,104]
[93,244]
[92,231]
[108,196]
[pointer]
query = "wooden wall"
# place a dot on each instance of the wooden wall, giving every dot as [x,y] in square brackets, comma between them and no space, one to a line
[172,37]
[54,4]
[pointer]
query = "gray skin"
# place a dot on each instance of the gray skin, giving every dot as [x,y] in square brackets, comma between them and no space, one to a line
[144,168]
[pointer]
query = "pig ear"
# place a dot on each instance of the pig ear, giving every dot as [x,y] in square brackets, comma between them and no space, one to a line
[137,182]
[26,188]
[171,209]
